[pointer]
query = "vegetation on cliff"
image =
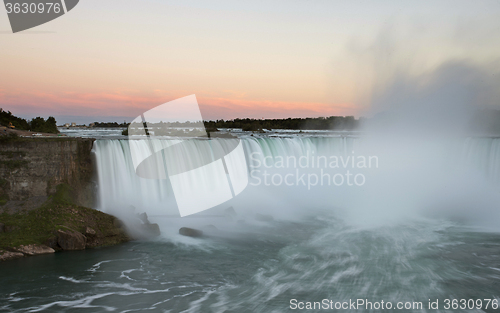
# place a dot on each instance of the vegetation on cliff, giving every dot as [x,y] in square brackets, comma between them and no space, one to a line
[8,137]
[59,213]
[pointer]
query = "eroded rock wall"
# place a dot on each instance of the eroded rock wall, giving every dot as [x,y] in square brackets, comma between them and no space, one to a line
[30,170]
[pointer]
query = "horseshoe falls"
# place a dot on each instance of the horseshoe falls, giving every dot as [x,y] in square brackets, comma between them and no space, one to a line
[119,186]
[324,223]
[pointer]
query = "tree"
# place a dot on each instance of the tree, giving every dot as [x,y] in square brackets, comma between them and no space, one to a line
[39,124]
[7,117]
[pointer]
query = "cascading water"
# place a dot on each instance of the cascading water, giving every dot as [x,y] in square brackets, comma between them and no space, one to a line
[483,153]
[119,187]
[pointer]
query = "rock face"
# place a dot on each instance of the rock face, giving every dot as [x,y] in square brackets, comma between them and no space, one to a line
[2,227]
[8,255]
[34,249]
[30,170]
[71,240]
[190,232]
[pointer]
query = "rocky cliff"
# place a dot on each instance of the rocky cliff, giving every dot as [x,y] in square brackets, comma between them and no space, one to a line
[46,192]
[30,170]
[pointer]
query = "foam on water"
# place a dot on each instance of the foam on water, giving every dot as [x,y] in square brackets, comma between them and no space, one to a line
[319,258]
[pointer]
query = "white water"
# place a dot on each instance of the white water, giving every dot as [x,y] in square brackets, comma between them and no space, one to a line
[119,187]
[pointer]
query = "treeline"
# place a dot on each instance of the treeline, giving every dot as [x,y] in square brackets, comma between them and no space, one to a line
[249,124]
[318,123]
[110,124]
[37,124]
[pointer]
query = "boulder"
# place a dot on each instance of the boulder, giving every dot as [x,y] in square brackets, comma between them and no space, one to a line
[34,249]
[89,232]
[8,255]
[143,217]
[190,232]
[150,230]
[71,240]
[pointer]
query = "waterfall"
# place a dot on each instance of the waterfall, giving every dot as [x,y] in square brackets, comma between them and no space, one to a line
[483,153]
[392,187]
[119,187]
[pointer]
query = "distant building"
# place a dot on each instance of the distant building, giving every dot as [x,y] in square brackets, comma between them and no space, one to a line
[73,124]
[91,124]
[66,125]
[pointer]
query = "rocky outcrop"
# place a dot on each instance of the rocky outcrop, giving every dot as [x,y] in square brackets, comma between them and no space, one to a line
[9,255]
[110,236]
[71,240]
[190,232]
[140,228]
[143,217]
[59,225]
[150,230]
[34,249]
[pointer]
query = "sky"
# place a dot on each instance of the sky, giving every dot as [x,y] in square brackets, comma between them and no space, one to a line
[113,60]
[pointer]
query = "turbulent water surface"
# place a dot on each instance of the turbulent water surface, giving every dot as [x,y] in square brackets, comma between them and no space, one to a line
[262,269]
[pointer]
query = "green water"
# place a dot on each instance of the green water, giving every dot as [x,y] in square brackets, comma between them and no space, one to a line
[260,268]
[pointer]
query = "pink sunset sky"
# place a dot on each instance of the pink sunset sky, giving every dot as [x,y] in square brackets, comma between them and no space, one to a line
[112,60]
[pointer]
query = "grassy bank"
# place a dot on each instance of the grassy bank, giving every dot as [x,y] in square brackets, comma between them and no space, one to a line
[39,226]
